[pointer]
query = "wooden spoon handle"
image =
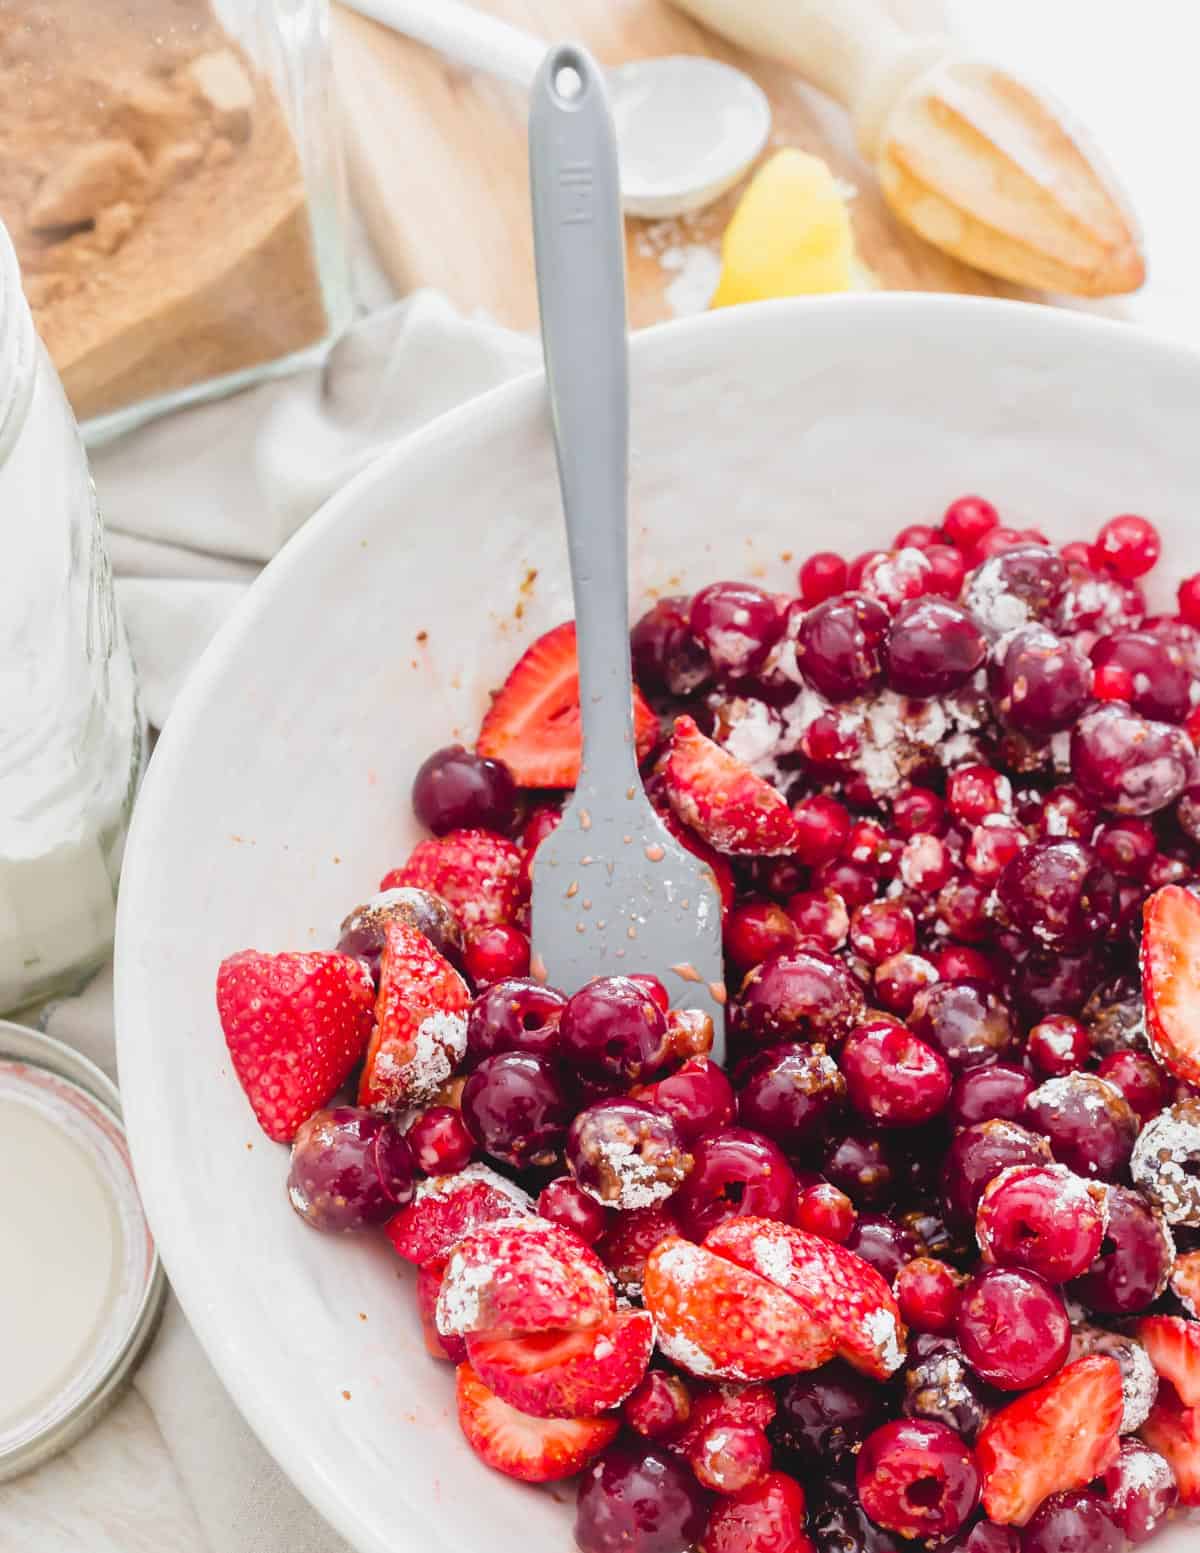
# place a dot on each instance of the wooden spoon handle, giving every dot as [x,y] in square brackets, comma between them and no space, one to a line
[839,45]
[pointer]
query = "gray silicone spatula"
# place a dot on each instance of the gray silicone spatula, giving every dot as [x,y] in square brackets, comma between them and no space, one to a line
[613,891]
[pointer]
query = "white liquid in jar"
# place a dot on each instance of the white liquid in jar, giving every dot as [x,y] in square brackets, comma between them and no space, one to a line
[71,734]
[76,1257]
[58,1242]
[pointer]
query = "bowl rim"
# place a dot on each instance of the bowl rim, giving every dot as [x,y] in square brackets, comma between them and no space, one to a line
[193,1282]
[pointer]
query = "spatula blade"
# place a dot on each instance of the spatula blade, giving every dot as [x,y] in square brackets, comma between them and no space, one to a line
[616,893]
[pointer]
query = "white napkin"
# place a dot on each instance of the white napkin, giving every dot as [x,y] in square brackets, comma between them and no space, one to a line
[195,504]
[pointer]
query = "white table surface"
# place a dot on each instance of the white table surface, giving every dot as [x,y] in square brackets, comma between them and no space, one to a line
[1128,71]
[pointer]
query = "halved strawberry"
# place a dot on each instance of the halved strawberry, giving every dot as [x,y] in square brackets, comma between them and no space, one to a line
[533,723]
[523,1275]
[420,1033]
[536,1450]
[1174,1348]
[1185,1281]
[1058,1437]
[1173,1430]
[479,873]
[429,1284]
[1171,979]
[717,1319]
[843,1296]
[295,1025]
[447,1208]
[726,803]
[564,1374]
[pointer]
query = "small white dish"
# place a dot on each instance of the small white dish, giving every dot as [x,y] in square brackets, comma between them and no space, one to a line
[688,128]
[278,795]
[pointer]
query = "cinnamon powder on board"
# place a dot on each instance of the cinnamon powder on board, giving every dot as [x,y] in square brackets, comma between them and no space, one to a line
[153,192]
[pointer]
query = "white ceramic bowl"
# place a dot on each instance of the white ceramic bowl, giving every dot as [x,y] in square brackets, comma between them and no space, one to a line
[279,793]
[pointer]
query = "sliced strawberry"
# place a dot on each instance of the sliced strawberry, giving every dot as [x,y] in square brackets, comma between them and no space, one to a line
[429,1283]
[561,1374]
[523,1275]
[295,1025]
[1185,1281]
[447,1208]
[533,723]
[1058,1437]
[1171,979]
[1174,1348]
[420,1033]
[843,1295]
[721,868]
[717,1319]
[479,873]
[1173,1430]
[634,1234]
[727,1404]
[767,1517]
[536,1450]
[722,800]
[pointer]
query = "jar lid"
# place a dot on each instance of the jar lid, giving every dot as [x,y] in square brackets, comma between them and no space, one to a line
[91,1288]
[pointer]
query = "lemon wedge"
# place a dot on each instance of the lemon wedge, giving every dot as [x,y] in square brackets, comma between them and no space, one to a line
[789,236]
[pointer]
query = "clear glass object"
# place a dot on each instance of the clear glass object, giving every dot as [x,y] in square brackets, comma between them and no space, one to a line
[72,737]
[171,176]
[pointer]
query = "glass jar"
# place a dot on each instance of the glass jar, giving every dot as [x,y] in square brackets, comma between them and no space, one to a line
[171,177]
[71,733]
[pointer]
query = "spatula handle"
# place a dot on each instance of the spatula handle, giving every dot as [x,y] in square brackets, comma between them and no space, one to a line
[579,245]
[463,33]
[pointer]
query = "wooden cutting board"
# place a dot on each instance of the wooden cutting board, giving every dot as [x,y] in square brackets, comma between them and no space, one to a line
[437,160]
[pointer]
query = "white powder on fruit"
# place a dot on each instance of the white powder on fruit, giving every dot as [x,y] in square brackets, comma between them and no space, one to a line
[1167,1144]
[898,575]
[1180,1287]
[773,1258]
[880,1327]
[960,749]
[683,1264]
[1139,1388]
[1140,1471]
[438,1047]
[995,608]
[638,1181]
[1139,1381]
[458,1306]
[753,735]
[799,715]
[686,1355]
[1058,1041]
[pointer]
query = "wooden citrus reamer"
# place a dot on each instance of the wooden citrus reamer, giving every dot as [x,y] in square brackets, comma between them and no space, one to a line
[979,162]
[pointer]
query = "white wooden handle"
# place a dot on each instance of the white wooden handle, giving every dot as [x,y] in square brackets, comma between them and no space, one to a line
[463,33]
[837,44]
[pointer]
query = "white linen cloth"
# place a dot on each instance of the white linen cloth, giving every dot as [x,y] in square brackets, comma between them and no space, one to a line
[195,504]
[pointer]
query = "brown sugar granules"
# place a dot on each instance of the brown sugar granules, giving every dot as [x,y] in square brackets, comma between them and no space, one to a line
[153,192]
